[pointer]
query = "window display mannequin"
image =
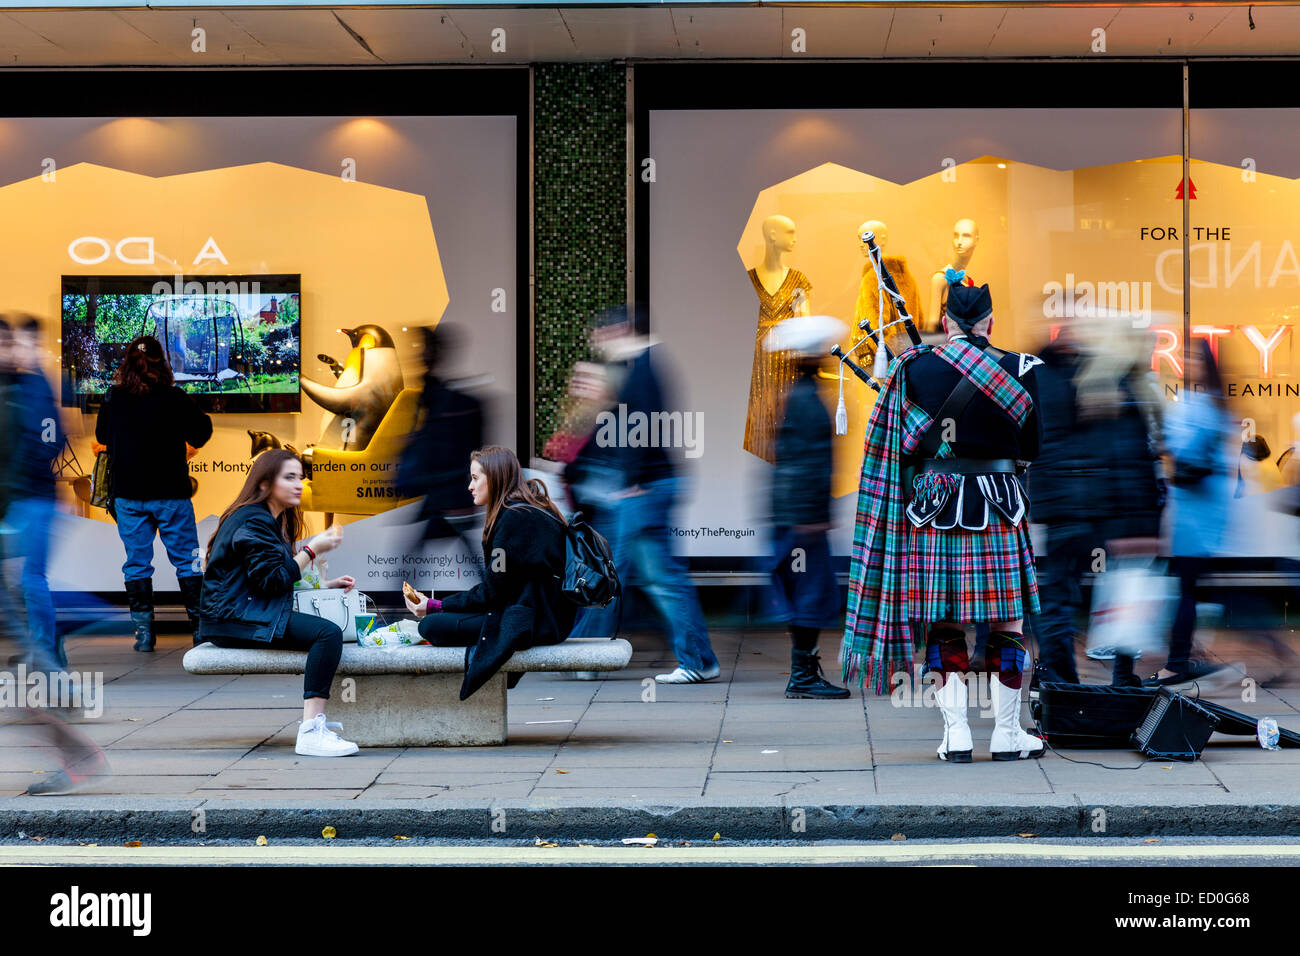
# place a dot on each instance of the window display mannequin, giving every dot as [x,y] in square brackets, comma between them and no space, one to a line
[782,292]
[965,237]
[868,304]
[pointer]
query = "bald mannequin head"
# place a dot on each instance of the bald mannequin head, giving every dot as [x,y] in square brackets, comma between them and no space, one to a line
[965,237]
[778,232]
[881,231]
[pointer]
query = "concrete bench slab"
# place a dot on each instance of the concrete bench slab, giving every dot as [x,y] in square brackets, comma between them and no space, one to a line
[409,696]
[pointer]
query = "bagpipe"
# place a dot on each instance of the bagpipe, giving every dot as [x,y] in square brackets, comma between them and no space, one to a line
[885,286]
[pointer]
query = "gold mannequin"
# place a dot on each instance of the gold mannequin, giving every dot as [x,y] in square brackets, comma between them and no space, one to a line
[782,292]
[965,237]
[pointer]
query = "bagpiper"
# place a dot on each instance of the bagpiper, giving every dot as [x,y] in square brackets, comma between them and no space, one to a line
[942,532]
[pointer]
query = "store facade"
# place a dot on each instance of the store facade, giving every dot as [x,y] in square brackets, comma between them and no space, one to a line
[517,201]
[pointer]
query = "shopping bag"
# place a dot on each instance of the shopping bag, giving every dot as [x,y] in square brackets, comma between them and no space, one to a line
[1132,608]
[404,633]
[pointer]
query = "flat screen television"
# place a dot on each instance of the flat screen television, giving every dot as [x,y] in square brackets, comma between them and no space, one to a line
[234,342]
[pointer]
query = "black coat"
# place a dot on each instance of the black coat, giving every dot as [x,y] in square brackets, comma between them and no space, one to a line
[519,594]
[248,584]
[146,437]
[801,480]
[1092,469]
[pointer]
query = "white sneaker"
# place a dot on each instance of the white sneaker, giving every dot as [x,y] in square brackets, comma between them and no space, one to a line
[685,675]
[317,738]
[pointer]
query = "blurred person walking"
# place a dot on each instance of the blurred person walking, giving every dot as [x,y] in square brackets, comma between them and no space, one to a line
[253,561]
[800,504]
[1096,485]
[1204,443]
[29,417]
[150,427]
[646,476]
[34,438]
[451,427]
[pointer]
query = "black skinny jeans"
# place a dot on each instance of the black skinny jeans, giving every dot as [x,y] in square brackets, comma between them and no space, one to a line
[451,628]
[321,639]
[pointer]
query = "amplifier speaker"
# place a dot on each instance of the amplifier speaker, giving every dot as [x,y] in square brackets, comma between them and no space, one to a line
[1175,727]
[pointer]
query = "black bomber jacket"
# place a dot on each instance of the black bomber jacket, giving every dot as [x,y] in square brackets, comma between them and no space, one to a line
[248,584]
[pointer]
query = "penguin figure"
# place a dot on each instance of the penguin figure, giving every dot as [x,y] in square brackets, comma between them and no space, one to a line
[365,389]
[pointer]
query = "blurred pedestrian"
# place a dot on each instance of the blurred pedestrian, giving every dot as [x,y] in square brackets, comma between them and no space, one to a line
[451,427]
[646,476]
[1096,484]
[34,438]
[253,562]
[1204,443]
[151,428]
[800,507]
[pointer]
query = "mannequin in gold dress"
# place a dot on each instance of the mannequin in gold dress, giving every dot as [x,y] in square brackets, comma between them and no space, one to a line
[782,292]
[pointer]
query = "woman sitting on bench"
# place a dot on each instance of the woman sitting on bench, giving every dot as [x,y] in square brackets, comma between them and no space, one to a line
[248,589]
[518,604]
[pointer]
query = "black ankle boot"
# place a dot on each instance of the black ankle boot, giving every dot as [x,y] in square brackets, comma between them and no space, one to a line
[191,592]
[139,597]
[806,678]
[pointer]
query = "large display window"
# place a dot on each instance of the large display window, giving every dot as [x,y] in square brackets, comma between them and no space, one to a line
[1055,185]
[288,264]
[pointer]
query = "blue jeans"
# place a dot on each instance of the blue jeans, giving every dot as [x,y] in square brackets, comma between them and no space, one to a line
[644,557]
[29,522]
[173,520]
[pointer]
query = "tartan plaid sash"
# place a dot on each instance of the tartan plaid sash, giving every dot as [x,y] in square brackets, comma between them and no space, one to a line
[877,638]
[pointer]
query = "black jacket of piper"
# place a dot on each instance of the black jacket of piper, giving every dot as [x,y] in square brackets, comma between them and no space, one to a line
[248,584]
[801,479]
[520,592]
[982,430]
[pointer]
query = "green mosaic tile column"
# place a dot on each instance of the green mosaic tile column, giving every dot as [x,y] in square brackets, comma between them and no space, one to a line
[580,218]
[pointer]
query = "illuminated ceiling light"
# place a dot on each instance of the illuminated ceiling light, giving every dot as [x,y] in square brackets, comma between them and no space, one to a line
[1002,165]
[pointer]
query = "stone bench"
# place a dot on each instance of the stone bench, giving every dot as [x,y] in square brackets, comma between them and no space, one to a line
[409,696]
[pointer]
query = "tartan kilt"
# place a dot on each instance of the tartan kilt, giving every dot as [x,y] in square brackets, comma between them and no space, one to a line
[971,576]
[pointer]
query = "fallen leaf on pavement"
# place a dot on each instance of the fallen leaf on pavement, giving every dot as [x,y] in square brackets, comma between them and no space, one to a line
[131,843]
[542,843]
[329,833]
[261,841]
[38,839]
[1151,841]
[898,837]
[401,838]
[561,771]
[717,836]
[1028,836]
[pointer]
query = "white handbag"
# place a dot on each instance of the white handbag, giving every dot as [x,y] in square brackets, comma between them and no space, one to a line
[334,605]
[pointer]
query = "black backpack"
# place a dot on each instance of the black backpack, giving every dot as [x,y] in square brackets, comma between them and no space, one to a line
[590,578]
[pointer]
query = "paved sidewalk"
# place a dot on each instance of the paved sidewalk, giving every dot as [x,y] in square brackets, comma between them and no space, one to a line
[179,742]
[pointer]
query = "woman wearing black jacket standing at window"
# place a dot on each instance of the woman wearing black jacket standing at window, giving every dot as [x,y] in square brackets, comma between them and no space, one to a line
[518,604]
[150,427]
[248,589]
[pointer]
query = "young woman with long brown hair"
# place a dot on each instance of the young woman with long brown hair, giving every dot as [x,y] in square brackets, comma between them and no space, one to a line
[518,604]
[151,427]
[253,562]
